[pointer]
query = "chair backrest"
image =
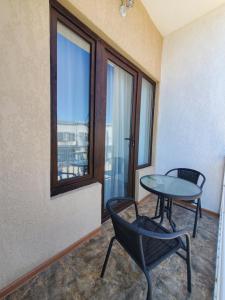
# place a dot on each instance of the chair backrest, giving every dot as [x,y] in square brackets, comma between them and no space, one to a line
[191,175]
[126,233]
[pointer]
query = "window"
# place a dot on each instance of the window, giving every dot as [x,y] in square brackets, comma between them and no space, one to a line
[101,110]
[118,130]
[145,123]
[72,103]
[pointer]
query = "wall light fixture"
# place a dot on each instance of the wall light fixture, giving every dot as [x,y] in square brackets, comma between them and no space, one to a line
[125,5]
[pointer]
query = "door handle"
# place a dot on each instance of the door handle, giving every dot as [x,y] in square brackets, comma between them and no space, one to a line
[131,140]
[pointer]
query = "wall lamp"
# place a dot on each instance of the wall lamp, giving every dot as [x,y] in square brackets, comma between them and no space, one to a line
[125,5]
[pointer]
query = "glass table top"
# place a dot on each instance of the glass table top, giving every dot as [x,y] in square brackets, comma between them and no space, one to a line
[171,187]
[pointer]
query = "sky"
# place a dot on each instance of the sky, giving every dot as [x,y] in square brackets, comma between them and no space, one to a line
[73,83]
[73,72]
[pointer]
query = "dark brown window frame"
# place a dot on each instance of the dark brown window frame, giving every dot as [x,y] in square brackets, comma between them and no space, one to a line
[99,48]
[116,58]
[75,182]
[149,163]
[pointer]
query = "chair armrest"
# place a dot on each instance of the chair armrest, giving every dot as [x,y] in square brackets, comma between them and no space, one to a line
[162,236]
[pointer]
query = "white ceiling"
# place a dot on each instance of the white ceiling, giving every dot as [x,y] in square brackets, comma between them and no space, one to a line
[170,15]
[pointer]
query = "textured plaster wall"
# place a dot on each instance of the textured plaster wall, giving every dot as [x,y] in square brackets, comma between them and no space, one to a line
[191,126]
[135,36]
[33,226]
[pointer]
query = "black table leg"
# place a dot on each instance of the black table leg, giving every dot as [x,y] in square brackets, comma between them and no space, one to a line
[161,211]
[172,223]
[169,214]
[166,208]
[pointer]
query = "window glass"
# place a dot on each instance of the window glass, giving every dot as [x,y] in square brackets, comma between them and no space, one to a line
[145,123]
[73,92]
[119,99]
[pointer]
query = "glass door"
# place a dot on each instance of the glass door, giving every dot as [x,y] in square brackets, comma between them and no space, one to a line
[119,133]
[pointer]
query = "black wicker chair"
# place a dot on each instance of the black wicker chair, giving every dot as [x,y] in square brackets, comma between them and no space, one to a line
[147,242]
[194,177]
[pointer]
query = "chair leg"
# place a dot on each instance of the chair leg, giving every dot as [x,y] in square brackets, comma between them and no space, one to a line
[149,292]
[200,207]
[107,256]
[188,261]
[157,206]
[196,220]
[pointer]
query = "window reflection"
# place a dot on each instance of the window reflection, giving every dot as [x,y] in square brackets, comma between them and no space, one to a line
[73,85]
[145,123]
[72,150]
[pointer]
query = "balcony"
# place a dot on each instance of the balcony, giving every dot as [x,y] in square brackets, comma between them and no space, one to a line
[96,95]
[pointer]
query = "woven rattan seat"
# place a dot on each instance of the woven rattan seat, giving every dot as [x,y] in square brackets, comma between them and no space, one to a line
[147,242]
[156,249]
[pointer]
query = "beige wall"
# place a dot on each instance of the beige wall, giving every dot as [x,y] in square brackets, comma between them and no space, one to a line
[135,36]
[33,226]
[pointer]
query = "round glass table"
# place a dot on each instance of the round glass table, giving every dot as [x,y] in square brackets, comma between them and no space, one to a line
[169,188]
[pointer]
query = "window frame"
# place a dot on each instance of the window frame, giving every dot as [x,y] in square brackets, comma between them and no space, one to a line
[99,50]
[123,63]
[138,112]
[68,184]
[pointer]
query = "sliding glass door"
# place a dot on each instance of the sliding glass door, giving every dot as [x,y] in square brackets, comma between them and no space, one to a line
[119,141]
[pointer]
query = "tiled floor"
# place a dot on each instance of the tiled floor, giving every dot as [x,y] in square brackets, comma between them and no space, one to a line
[76,276]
